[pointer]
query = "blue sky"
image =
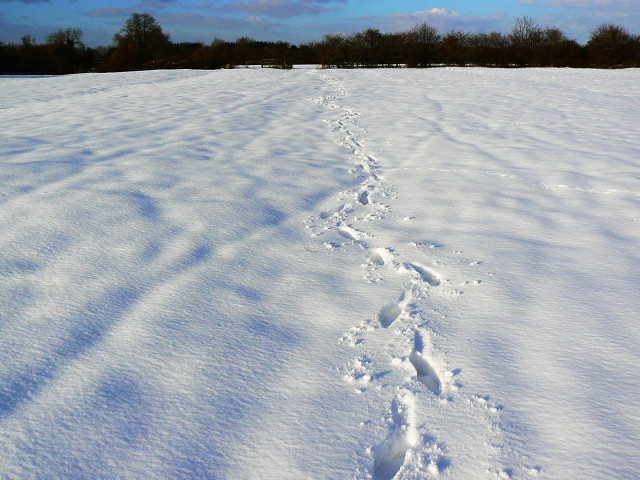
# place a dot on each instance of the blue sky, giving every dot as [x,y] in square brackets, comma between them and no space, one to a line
[299,21]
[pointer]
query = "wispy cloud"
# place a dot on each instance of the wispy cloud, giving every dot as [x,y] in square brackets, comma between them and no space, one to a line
[155,3]
[443,19]
[198,27]
[10,31]
[26,1]
[617,6]
[578,18]
[281,8]
[202,21]
[145,6]
[110,12]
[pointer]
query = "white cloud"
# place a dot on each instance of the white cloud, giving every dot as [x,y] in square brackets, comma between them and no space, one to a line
[280,8]
[445,20]
[614,6]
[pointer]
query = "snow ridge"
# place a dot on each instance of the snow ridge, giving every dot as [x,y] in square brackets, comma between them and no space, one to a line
[420,377]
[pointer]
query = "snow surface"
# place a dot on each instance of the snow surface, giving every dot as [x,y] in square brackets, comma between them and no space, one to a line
[366,274]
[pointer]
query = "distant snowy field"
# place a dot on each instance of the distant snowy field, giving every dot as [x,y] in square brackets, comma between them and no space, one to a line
[313,274]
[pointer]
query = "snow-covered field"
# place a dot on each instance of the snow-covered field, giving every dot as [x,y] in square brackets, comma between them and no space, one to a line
[369,274]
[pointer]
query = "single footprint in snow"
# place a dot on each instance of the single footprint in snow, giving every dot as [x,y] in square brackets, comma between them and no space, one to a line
[381,256]
[331,212]
[391,311]
[426,274]
[363,197]
[418,358]
[389,456]
[350,233]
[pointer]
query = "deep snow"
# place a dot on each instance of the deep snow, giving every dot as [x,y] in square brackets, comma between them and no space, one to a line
[320,274]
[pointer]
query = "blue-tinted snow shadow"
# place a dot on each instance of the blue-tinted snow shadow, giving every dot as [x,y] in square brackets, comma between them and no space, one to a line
[235,392]
[196,256]
[21,145]
[272,216]
[115,414]
[121,399]
[146,206]
[85,331]
[17,266]
[27,176]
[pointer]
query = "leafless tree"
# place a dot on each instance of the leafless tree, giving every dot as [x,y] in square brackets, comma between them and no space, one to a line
[554,37]
[609,36]
[526,32]
[425,40]
[68,38]
[27,41]
[143,32]
[610,45]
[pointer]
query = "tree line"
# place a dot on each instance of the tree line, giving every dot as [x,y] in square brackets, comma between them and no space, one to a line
[141,44]
[527,45]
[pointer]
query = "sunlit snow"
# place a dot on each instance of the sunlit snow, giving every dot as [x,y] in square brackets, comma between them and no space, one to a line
[310,274]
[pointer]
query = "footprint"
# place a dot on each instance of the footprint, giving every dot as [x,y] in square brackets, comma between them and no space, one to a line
[350,233]
[330,213]
[363,198]
[426,274]
[358,373]
[484,402]
[353,336]
[380,256]
[390,455]
[425,372]
[391,311]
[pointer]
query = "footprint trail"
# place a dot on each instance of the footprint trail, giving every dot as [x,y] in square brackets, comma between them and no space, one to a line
[391,311]
[419,359]
[390,455]
[426,274]
[382,373]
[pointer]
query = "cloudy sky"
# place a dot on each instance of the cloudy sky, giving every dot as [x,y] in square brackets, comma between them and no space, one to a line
[299,21]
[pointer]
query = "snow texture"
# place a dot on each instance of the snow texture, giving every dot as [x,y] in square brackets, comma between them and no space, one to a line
[370,274]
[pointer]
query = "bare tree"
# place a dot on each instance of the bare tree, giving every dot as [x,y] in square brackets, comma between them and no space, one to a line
[27,41]
[366,47]
[426,40]
[68,38]
[610,45]
[558,50]
[333,50]
[143,32]
[65,45]
[526,33]
[609,36]
[554,37]
[454,46]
